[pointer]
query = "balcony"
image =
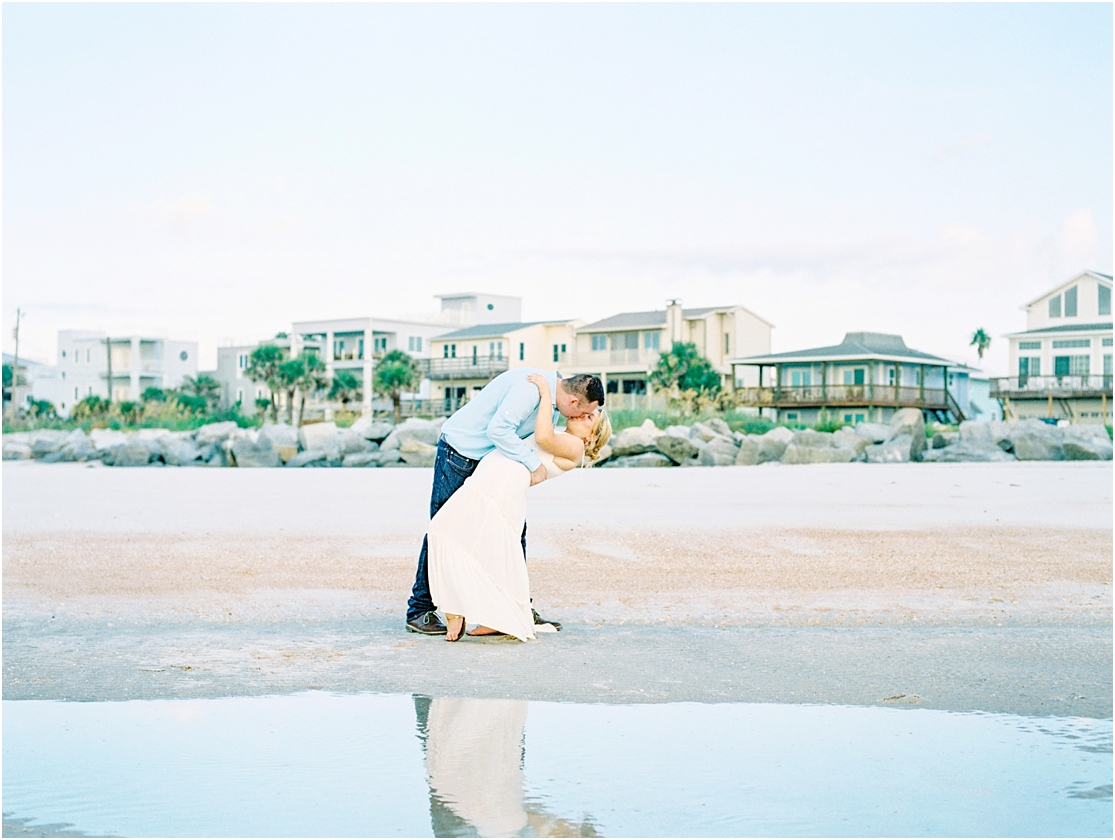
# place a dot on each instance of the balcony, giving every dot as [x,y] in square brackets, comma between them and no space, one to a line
[1057,387]
[817,396]
[480,367]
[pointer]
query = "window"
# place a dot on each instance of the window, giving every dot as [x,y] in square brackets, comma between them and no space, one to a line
[499,349]
[379,343]
[1029,345]
[63,354]
[1107,364]
[848,418]
[1107,342]
[1070,343]
[259,394]
[183,355]
[75,392]
[88,358]
[452,351]
[338,348]
[242,361]
[361,344]
[859,418]
[1105,300]
[1029,366]
[523,350]
[634,386]
[1080,365]
[414,344]
[556,352]
[563,348]
[791,415]
[599,342]
[239,395]
[612,387]
[1070,302]
[651,340]
[445,351]
[853,377]
[727,344]
[625,341]
[1055,307]
[474,356]
[890,376]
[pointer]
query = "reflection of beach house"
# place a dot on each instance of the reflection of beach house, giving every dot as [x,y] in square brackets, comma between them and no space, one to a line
[623,349]
[138,363]
[1062,360]
[867,377]
[462,362]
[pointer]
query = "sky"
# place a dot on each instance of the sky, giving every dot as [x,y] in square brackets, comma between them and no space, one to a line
[213,172]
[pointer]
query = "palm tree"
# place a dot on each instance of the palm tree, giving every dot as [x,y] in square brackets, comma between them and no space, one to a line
[346,388]
[313,381]
[395,373]
[205,388]
[289,377]
[981,341]
[263,366]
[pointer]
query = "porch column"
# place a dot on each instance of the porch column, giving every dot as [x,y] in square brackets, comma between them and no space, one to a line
[133,385]
[366,401]
[897,382]
[777,382]
[921,392]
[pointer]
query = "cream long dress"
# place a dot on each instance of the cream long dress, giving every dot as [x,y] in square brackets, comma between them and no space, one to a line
[476,563]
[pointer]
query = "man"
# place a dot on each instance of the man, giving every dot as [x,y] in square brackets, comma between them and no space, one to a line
[499,417]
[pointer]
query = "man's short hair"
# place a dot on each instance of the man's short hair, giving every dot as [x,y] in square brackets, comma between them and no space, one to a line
[585,387]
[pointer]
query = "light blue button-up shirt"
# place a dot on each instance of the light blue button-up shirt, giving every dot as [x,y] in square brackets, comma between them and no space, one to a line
[499,417]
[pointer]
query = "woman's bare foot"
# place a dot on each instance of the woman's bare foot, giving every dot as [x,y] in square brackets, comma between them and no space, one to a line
[454,627]
[481,630]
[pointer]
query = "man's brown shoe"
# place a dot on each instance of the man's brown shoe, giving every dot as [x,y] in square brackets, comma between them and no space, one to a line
[428,625]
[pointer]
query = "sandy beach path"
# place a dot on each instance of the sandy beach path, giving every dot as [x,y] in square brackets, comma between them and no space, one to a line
[966,586]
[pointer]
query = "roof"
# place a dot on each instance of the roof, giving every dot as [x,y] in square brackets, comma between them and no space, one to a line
[1064,329]
[491,330]
[656,318]
[856,345]
[1096,274]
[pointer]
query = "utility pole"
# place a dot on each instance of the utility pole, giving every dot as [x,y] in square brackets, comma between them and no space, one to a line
[15,360]
[108,354]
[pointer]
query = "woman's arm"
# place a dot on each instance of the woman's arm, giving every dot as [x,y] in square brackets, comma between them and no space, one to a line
[570,448]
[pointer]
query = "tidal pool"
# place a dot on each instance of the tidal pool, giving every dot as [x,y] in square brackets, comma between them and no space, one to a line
[317,764]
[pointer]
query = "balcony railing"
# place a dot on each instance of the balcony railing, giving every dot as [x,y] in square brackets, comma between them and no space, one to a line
[803,396]
[1058,387]
[468,367]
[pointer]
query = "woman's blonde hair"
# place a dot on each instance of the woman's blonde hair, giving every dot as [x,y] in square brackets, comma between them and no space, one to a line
[602,433]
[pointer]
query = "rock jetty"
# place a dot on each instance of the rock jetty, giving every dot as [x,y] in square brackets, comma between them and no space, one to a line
[712,443]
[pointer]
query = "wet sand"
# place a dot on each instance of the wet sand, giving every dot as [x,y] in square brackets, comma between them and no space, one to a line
[966,586]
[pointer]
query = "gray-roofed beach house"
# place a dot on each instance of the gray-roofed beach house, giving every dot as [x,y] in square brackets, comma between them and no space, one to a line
[867,377]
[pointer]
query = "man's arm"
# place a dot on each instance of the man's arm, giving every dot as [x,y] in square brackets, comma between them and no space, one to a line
[517,405]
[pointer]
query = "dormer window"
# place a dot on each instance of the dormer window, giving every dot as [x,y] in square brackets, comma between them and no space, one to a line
[1070,302]
[1055,307]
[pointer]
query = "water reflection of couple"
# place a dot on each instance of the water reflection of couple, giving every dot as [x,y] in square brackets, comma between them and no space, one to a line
[474,766]
[496,446]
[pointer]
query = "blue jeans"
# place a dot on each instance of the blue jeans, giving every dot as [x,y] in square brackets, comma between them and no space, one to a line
[451,468]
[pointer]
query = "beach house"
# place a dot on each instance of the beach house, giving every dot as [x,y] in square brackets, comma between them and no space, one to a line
[1061,362]
[867,377]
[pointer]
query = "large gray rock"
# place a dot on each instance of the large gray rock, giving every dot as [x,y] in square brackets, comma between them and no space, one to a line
[677,449]
[1086,443]
[385,458]
[772,444]
[874,432]
[16,450]
[804,454]
[979,434]
[279,434]
[215,432]
[646,459]
[307,456]
[360,459]
[968,451]
[749,448]
[909,421]
[254,454]
[353,442]
[180,451]
[76,447]
[679,431]
[376,431]
[706,432]
[723,450]
[46,441]
[720,427]
[894,451]
[1033,440]
[321,436]
[132,454]
[417,454]
[809,437]
[105,439]
[943,439]
[848,438]
[413,428]
[635,440]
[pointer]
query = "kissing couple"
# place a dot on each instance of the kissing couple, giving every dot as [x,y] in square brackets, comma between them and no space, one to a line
[473,560]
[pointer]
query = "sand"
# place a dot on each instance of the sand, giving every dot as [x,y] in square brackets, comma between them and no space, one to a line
[966,586]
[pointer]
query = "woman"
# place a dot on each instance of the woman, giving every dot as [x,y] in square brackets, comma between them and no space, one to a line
[476,559]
